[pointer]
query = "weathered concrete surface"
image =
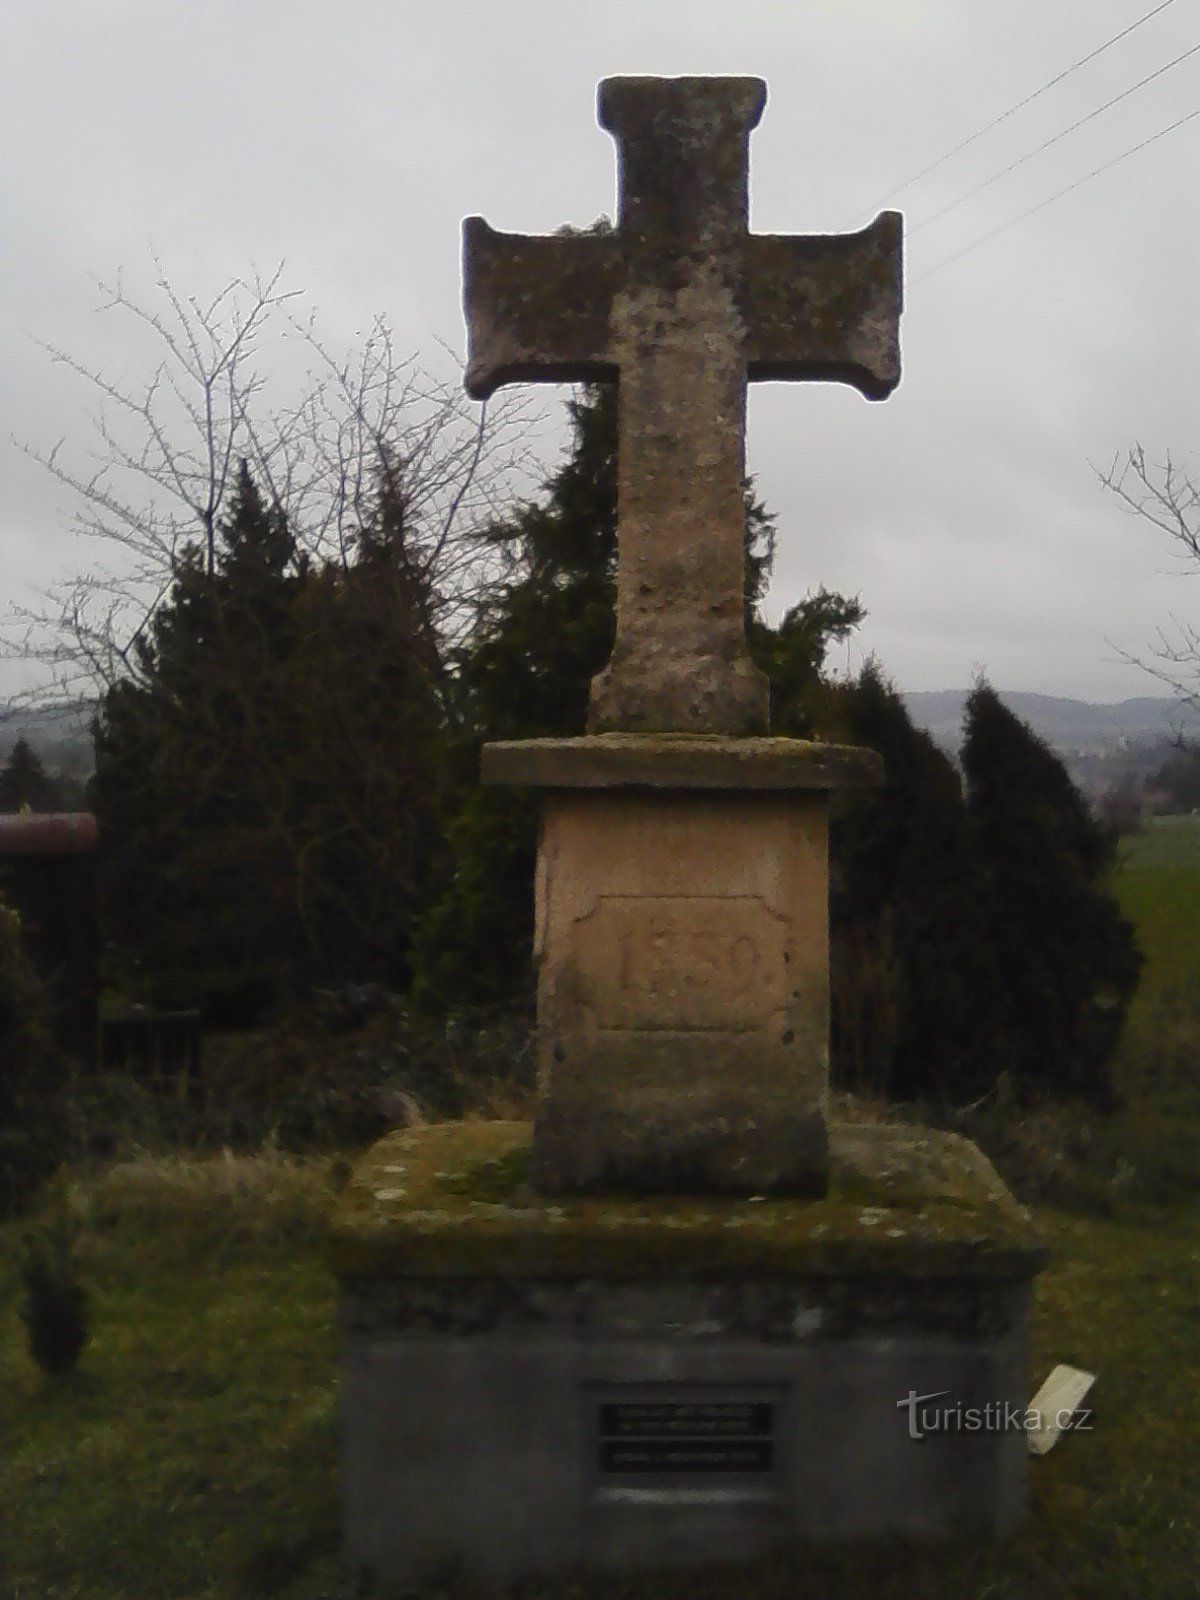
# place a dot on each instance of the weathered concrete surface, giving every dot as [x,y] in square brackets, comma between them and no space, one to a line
[681,945]
[457,1199]
[477,1455]
[683,305]
[489,1335]
[679,761]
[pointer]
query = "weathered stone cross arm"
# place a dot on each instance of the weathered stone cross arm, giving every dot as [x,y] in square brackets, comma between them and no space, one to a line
[825,308]
[682,305]
[538,307]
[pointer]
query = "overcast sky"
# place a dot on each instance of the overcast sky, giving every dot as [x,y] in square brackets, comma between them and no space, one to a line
[350,140]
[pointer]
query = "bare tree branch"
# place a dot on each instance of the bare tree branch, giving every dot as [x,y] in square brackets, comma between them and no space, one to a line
[1161,493]
[1168,497]
[153,487]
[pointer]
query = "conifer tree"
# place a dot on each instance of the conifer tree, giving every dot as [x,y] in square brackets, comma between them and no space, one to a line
[1062,960]
[264,780]
[25,783]
[193,871]
[905,936]
[539,638]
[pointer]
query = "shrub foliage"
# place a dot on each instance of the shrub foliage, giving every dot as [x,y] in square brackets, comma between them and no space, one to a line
[31,1075]
[54,1308]
[265,778]
[980,910]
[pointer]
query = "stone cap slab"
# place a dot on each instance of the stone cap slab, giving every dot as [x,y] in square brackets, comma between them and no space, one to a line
[679,761]
[455,1198]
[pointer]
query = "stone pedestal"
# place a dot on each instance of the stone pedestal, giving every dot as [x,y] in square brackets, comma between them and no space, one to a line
[535,1386]
[679,1319]
[682,951]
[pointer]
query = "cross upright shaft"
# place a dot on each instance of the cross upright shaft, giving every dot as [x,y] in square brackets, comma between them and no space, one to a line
[682,305]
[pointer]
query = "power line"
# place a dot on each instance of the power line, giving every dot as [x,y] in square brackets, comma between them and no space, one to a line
[1054,139]
[891,194]
[1042,204]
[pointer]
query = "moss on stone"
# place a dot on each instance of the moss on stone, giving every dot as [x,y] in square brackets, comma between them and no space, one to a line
[455,1198]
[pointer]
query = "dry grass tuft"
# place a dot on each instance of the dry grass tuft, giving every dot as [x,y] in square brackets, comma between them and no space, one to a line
[269,1197]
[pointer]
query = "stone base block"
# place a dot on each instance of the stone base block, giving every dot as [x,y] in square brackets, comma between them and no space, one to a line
[713,1140]
[533,1388]
[681,947]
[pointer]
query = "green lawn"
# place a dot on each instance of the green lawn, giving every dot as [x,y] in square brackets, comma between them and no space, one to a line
[193,1456]
[1156,1134]
[1158,885]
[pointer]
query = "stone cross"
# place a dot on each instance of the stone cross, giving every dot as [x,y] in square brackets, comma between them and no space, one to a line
[682,305]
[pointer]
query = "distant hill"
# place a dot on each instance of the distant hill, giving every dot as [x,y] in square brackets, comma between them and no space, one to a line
[1108,749]
[60,735]
[1072,727]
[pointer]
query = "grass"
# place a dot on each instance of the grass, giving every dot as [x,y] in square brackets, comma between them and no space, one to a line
[1158,884]
[193,1456]
[1154,1141]
[193,1453]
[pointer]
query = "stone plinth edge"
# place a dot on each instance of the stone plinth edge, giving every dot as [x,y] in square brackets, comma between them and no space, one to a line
[679,761]
[456,1199]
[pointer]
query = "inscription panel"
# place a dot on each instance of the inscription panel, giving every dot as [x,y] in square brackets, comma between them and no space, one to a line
[686,963]
[682,1436]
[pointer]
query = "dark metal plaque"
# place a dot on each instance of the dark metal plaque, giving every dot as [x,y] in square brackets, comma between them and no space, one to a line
[686,1436]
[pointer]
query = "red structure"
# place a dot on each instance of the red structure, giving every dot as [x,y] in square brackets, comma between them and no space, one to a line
[48,876]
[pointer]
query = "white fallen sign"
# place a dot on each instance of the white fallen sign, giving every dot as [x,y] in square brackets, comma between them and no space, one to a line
[1056,1407]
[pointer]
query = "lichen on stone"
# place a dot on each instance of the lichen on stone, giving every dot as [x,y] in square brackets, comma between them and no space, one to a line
[471,1210]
